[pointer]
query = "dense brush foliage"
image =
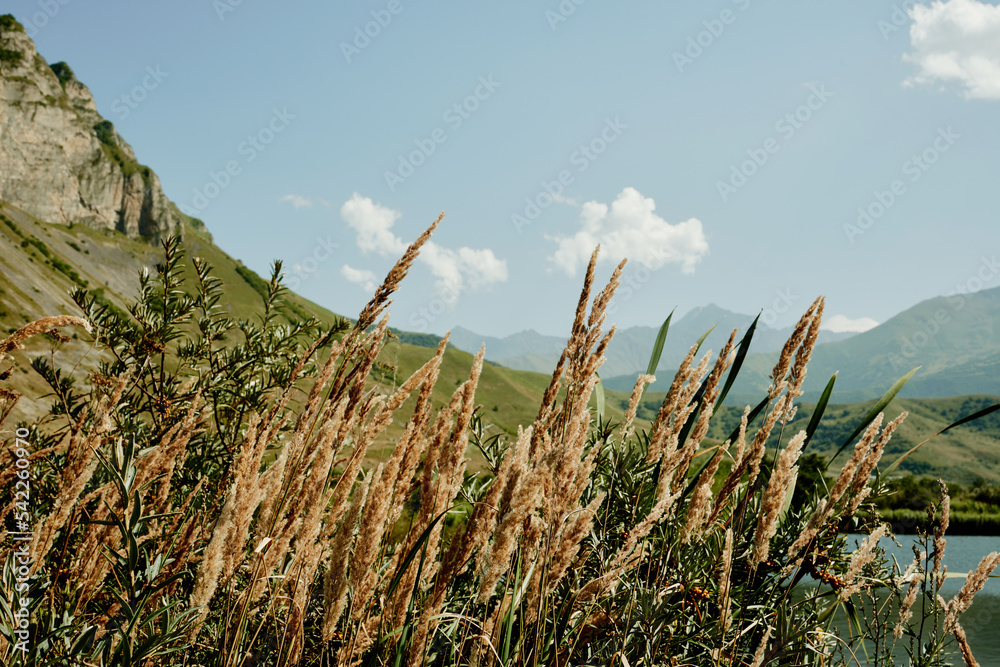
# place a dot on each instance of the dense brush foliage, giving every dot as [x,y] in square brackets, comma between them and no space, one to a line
[205,499]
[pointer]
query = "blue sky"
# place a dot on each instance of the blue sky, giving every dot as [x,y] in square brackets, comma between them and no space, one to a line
[726,147]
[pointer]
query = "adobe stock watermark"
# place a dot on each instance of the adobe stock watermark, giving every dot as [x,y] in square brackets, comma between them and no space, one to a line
[698,43]
[581,158]
[308,267]
[47,11]
[957,298]
[364,34]
[127,102]
[782,303]
[249,149]
[786,127]
[22,536]
[421,319]
[223,7]
[455,116]
[634,278]
[915,167]
[898,19]
[562,12]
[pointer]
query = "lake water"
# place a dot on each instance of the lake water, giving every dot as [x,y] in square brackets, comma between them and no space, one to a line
[982,620]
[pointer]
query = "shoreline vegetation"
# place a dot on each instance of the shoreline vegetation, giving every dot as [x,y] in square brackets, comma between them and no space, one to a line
[204,499]
[909,522]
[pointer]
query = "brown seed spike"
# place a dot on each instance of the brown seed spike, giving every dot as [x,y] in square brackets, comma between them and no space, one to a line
[380,300]
[14,341]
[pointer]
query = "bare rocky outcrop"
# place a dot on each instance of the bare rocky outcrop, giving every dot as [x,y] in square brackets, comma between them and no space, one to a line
[60,160]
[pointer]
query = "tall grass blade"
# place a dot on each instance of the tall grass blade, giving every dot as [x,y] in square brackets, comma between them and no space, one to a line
[654,358]
[974,416]
[705,335]
[698,398]
[404,641]
[599,399]
[879,407]
[963,420]
[741,353]
[820,410]
[405,565]
[507,631]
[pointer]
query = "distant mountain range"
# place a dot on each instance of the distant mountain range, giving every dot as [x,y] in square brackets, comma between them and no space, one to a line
[629,351]
[955,340]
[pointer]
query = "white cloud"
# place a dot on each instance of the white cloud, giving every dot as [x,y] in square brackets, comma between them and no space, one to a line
[297,201]
[362,277]
[455,270]
[842,324]
[630,228]
[373,224]
[465,268]
[957,41]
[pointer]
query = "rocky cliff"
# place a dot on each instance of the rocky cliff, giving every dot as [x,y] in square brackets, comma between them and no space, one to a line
[60,160]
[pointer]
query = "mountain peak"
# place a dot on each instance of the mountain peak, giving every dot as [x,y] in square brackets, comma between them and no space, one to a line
[711,315]
[710,309]
[60,160]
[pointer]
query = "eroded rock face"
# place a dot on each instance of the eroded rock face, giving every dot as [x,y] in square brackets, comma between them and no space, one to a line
[55,165]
